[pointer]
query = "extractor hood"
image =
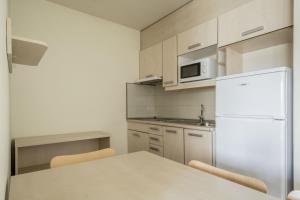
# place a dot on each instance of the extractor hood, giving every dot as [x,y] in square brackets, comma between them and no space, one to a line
[150,80]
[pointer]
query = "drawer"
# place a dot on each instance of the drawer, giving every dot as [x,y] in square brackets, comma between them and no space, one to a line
[146,128]
[156,139]
[153,129]
[158,150]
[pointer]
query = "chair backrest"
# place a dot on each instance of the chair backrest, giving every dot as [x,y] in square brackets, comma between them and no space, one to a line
[234,177]
[294,195]
[60,161]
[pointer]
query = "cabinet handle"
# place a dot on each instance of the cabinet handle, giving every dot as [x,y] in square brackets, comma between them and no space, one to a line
[171,131]
[260,28]
[154,149]
[149,76]
[155,139]
[244,84]
[194,46]
[168,82]
[136,135]
[195,135]
[154,129]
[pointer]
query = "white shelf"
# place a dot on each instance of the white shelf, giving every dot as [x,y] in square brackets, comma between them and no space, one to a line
[193,85]
[26,51]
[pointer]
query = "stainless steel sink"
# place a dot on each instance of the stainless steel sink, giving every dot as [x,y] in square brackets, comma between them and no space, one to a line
[193,122]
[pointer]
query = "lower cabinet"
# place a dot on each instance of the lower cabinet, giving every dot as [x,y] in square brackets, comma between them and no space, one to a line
[137,141]
[178,144]
[198,146]
[173,144]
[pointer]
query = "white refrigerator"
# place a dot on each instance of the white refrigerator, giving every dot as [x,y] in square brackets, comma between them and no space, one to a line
[254,127]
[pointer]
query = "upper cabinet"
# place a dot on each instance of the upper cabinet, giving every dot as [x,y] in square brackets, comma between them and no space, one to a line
[199,37]
[151,61]
[253,19]
[170,62]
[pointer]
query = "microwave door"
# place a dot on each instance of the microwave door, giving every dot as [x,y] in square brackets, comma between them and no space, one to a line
[190,72]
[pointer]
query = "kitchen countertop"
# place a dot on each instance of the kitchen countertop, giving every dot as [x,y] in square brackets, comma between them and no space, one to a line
[172,124]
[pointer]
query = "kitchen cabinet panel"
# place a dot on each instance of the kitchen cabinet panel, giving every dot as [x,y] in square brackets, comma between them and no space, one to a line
[253,19]
[137,141]
[199,37]
[198,146]
[170,69]
[151,61]
[173,144]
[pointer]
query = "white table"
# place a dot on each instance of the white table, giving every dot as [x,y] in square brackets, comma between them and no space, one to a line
[137,176]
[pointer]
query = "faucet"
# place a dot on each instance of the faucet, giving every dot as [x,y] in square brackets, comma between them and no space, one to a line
[201,117]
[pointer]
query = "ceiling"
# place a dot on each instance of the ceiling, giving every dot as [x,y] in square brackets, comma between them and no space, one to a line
[137,14]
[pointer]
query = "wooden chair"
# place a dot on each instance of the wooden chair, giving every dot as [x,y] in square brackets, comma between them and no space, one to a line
[60,161]
[294,195]
[237,178]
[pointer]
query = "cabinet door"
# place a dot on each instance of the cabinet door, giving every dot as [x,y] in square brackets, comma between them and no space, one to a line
[199,37]
[173,144]
[151,61]
[254,18]
[137,141]
[198,146]
[170,68]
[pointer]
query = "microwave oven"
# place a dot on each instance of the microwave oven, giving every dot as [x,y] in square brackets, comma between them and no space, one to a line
[197,70]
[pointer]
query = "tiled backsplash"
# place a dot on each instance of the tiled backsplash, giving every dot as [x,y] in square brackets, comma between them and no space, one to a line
[150,101]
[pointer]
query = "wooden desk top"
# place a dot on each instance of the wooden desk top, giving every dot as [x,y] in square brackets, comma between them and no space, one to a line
[137,176]
[59,138]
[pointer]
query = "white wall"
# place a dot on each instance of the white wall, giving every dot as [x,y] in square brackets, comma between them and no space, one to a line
[4,104]
[297,94]
[80,83]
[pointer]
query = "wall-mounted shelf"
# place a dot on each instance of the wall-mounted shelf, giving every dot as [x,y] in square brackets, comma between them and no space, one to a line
[193,85]
[23,51]
[26,51]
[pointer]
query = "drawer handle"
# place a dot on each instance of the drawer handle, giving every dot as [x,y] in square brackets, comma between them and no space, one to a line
[171,131]
[195,135]
[154,129]
[168,82]
[194,46]
[154,149]
[153,138]
[149,76]
[260,28]
[136,135]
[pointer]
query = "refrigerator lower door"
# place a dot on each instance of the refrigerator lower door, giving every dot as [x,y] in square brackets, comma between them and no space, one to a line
[256,148]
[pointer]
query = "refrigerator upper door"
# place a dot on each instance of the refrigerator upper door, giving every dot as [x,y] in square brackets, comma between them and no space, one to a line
[256,148]
[261,95]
